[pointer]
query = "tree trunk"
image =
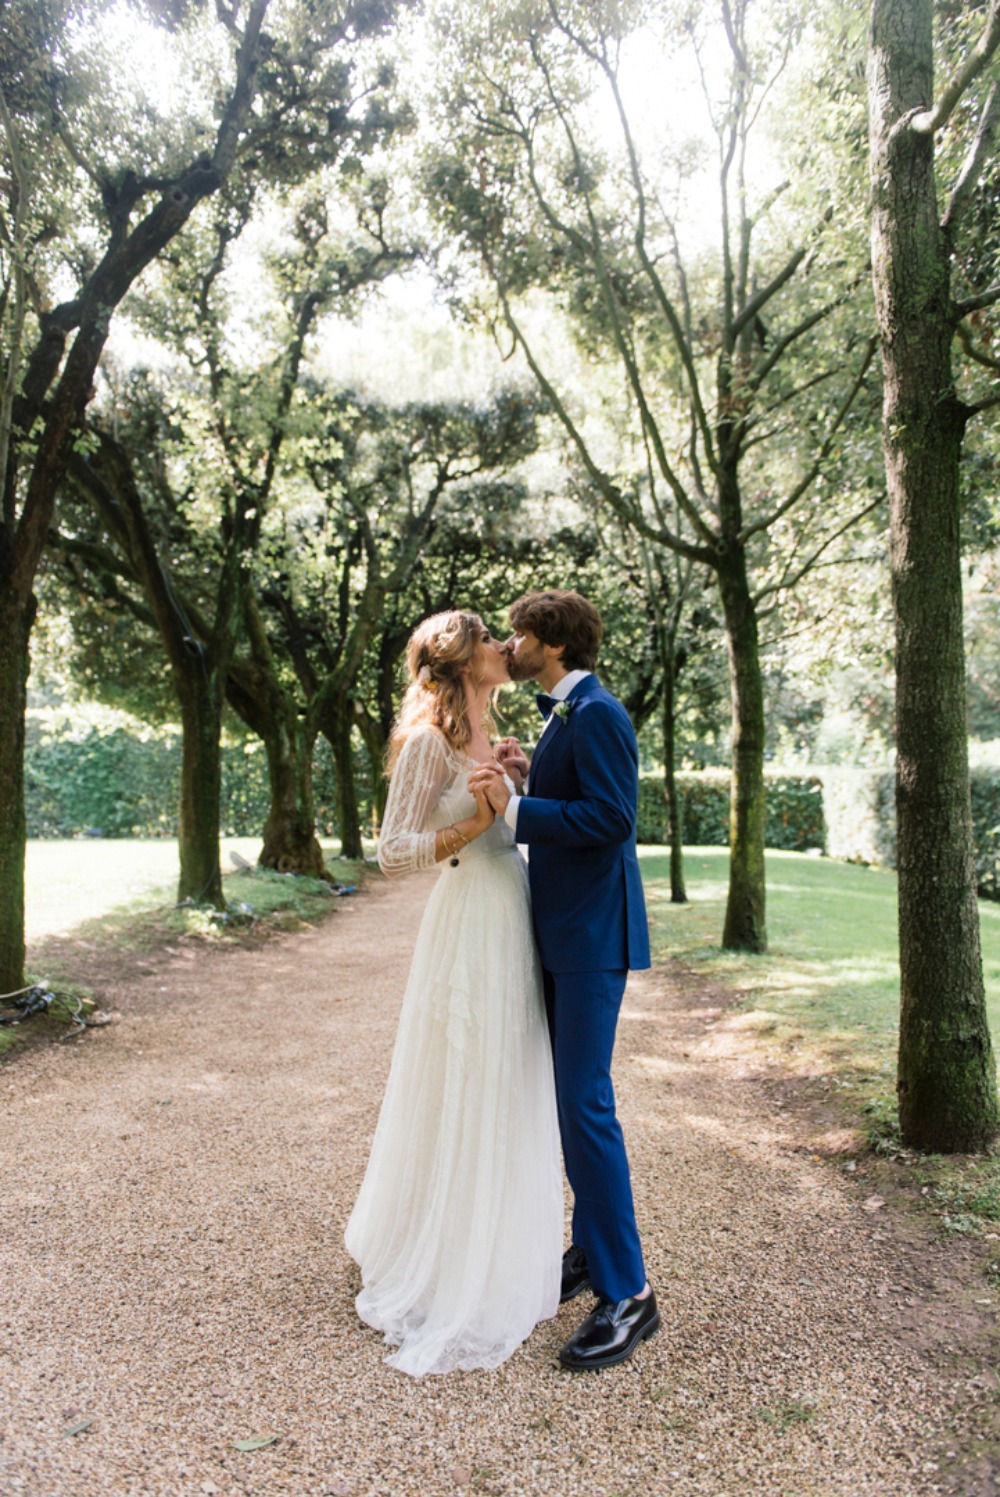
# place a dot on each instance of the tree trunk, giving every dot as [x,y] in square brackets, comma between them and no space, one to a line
[290,841]
[271,710]
[201,784]
[16,619]
[675,817]
[375,746]
[745,927]
[336,726]
[946,1075]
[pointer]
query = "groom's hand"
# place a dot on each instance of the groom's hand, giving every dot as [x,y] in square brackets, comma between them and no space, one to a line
[488,780]
[513,760]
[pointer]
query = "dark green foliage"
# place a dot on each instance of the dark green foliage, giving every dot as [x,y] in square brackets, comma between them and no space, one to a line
[984,787]
[122,783]
[111,782]
[794,810]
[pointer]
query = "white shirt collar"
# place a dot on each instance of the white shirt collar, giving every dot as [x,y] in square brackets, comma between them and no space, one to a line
[565,684]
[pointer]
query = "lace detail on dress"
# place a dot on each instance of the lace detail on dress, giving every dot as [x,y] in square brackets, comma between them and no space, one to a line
[424,768]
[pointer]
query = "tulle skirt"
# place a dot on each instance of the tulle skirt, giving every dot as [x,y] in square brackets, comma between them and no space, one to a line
[458,1227]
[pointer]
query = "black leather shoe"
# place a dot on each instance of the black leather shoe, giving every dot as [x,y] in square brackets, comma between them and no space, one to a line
[575,1274]
[611,1333]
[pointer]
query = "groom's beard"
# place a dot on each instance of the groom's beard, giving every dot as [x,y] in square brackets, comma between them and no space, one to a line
[524,668]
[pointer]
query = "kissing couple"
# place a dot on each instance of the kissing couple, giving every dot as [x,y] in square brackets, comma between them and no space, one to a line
[508,1021]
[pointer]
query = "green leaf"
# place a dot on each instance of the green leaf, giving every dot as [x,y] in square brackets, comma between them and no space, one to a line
[255,1442]
[78,1429]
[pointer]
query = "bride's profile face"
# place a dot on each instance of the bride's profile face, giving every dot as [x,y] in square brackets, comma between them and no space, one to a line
[489,667]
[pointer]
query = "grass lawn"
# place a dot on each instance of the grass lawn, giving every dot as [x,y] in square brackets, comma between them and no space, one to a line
[826,995]
[828,987]
[71,882]
[123,891]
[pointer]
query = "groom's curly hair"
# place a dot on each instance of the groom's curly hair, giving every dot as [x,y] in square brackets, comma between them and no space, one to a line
[561,617]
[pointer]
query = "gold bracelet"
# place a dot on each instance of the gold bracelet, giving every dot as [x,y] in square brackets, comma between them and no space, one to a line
[464,839]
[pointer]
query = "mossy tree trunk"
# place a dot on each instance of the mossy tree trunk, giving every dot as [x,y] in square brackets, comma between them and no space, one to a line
[200,694]
[337,723]
[290,842]
[745,927]
[15,630]
[946,1075]
[675,816]
[375,741]
[271,708]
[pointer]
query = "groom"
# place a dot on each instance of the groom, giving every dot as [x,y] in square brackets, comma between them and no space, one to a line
[577,818]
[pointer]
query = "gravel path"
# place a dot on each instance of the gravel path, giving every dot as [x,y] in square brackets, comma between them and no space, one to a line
[176,1187]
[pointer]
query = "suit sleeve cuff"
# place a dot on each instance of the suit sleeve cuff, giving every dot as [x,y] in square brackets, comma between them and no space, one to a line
[510,814]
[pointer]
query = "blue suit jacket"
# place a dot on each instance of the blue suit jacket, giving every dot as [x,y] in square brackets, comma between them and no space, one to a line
[578,819]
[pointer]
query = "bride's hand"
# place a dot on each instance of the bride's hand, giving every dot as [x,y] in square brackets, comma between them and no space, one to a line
[485,814]
[488,780]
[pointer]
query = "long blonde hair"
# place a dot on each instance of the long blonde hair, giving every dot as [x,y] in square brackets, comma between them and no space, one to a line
[438,650]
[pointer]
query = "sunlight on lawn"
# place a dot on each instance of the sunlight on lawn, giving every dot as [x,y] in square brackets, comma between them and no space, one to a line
[68,882]
[829,983]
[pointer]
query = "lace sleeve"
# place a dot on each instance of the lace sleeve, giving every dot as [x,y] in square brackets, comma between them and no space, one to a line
[421,774]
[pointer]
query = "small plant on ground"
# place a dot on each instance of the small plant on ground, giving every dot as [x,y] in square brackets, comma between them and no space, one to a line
[965,1195]
[882,1125]
[787,1412]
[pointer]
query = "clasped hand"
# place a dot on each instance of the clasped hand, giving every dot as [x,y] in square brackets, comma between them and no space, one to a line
[487,783]
[513,761]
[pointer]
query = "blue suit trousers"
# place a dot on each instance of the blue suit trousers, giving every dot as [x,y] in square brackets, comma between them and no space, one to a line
[582,1009]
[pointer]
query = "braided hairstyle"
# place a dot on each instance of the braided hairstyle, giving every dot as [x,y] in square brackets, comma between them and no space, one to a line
[438,650]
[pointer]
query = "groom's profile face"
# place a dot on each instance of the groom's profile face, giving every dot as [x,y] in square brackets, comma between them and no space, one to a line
[526,656]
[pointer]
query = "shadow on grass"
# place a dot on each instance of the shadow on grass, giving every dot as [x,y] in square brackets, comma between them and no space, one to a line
[826,993]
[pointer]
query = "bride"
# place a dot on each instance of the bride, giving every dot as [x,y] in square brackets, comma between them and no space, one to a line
[458,1226]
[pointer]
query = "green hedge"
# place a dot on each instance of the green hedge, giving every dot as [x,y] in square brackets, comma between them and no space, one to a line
[849,813]
[103,774]
[984,785]
[794,809]
[102,778]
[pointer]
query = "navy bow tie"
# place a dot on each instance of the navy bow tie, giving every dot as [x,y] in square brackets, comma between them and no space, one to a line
[545,705]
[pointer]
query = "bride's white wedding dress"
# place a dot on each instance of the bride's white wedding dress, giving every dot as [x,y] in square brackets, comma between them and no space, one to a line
[458,1226]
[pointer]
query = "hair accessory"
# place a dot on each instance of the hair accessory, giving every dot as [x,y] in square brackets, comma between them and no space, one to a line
[425,678]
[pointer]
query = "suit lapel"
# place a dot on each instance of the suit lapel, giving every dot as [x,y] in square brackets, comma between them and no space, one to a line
[581,689]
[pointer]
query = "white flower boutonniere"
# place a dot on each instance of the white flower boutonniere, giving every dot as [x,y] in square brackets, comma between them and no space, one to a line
[562,710]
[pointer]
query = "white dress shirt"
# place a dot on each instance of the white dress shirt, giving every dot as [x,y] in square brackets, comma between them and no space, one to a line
[559,693]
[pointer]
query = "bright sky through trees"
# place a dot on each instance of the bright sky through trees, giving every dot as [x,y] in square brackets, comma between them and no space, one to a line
[404,339]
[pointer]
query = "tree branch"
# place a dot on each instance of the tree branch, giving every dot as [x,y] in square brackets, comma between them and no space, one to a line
[928,121]
[15,323]
[986,404]
[813,472]
[98,558]
[682,341]
[625,350]
[786,583]
[605,486]
[763,296]
[987,298]
[123,261]
[979,150]
[978,354]
[759,375]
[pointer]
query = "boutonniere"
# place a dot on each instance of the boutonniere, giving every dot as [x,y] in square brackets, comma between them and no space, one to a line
[562,710]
